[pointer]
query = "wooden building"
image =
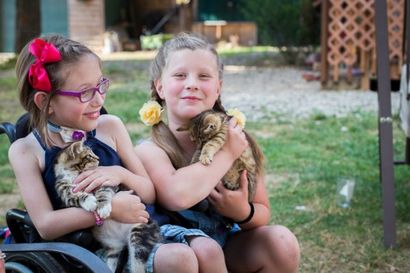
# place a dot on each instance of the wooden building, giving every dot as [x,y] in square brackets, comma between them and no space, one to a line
[93,21]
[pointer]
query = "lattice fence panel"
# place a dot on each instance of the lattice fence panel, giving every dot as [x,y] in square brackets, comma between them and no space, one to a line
[351,37]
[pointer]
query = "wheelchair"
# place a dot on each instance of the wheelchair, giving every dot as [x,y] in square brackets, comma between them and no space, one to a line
[29,253]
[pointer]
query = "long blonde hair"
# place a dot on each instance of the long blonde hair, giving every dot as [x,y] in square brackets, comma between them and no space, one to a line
[161,134]
[70,52]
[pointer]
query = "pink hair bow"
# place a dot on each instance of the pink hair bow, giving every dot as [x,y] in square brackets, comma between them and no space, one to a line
[44,53]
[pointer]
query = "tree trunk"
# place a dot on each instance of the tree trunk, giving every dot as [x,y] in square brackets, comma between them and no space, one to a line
[28,22]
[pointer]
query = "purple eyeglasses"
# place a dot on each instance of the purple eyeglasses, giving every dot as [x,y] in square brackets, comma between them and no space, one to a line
[89,93]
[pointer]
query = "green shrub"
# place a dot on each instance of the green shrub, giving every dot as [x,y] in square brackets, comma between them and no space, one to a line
[284,23]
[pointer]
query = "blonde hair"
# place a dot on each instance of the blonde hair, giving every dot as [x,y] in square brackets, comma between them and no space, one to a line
[71,52]
[161,134]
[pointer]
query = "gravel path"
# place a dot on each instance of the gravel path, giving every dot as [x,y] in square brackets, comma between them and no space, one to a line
[266,92]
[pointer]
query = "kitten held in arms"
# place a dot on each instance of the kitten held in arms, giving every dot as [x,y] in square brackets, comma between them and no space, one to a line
[113,235]
[209,131]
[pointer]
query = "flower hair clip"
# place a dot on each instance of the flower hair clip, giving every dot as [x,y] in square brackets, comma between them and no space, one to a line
[150,113]
[240,117]
[44,53]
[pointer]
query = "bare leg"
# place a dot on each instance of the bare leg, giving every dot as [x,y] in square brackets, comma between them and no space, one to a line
[175,257]
[270,249]
[209,254]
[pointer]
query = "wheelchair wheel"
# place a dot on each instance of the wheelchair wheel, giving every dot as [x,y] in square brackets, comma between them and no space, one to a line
[13,267]
[40,262]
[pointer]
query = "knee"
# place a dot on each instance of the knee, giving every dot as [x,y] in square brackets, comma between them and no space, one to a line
[207,250]
[283,246]
[175,258]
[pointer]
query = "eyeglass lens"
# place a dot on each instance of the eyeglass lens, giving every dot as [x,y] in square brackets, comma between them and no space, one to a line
[89,94]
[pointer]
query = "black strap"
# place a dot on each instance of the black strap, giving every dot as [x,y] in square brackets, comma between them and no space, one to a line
[39,139]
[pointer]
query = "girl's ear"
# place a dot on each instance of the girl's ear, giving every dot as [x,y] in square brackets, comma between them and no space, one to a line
[40,99]
[159,89]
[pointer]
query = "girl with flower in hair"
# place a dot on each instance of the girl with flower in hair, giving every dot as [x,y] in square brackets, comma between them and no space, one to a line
[63,89]
[186,79]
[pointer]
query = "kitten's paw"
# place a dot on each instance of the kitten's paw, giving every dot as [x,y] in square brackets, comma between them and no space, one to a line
[231,186]
[205,159]
[104,211]
[89,203]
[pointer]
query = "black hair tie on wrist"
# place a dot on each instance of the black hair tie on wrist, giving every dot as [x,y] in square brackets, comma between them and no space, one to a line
[250,216]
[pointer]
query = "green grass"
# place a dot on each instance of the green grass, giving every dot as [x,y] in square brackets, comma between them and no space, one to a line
[304,160]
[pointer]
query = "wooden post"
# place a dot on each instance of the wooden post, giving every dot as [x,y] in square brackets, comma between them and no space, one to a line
[28,22]
[324,20]
[385,125]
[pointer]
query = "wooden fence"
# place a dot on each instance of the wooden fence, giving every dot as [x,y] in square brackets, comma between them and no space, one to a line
[348,41]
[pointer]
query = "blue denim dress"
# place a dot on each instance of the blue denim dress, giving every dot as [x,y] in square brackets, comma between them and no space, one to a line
[200,223]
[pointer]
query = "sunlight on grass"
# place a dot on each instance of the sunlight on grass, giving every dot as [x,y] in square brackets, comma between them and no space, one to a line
[312,154]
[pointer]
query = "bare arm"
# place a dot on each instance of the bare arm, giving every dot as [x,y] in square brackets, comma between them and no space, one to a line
[49,223]
[183,188]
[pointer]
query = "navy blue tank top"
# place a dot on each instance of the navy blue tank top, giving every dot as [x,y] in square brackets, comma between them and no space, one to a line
[107,157]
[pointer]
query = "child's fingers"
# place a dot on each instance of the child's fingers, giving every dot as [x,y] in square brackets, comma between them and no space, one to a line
[220,187]
[89,183]
[214,195]
[243,184]
[233,122]
[82,176]
[96,183]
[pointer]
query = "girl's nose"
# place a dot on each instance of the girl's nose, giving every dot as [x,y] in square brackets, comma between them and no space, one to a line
[98,99]
[191,83]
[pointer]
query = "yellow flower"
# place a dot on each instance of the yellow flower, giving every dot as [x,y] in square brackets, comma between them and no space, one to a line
[150,113]
[240,117]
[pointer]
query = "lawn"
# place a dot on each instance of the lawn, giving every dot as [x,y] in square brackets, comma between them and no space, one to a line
[304,160]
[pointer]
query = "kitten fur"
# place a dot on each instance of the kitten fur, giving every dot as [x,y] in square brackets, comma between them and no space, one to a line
[113,235]
[209,131]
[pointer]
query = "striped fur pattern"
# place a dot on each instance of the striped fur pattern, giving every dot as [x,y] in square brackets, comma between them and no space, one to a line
[113,236]
[209,131]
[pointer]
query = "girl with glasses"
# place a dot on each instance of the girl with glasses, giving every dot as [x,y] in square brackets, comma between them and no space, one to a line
[62,87]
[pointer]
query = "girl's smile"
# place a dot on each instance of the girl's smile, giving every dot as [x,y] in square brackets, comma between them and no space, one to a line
[191,98]
[93,115]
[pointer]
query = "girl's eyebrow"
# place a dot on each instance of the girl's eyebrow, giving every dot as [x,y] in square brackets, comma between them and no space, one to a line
[85,85]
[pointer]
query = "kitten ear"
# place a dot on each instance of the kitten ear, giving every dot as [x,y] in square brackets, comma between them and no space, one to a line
[76,147]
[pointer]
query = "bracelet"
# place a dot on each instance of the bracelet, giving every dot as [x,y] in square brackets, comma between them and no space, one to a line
[249,216]
[2,256]
[98,220]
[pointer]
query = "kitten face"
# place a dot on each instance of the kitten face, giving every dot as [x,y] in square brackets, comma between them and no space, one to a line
[205,125]
[78,156]
[211,124]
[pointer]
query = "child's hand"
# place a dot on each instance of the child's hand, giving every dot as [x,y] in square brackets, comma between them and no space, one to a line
[128,208]
[237,142]
[231,204]
[93,179]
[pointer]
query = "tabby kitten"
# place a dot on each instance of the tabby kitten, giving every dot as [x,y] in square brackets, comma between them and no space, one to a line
[209,130]
[113,235]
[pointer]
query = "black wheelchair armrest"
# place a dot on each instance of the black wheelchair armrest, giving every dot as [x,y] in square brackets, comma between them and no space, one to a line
[9,129]
[21,226]
[82,255]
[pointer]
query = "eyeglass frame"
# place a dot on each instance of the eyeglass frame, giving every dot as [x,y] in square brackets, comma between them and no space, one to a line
[78,94]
